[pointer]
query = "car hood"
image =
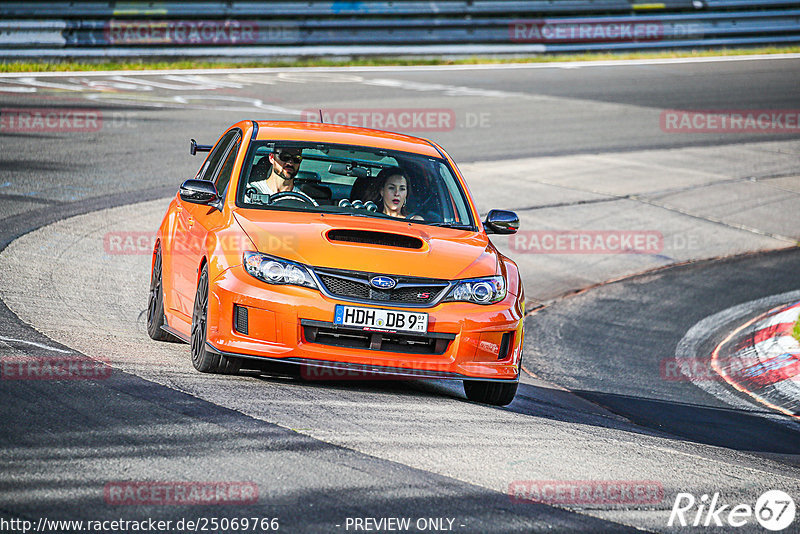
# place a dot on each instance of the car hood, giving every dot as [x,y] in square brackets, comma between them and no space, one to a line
[317,240]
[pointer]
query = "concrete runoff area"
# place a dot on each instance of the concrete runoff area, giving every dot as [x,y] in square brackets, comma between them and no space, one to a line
[677,205]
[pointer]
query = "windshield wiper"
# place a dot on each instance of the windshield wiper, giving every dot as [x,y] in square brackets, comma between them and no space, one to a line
[350,213]
[451,225]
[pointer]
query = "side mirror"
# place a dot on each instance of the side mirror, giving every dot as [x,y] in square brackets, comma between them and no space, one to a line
[194,148]
[199,192]
[501,222]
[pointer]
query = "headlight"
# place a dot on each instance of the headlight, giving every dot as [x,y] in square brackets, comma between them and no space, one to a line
[480,290]
[277,271]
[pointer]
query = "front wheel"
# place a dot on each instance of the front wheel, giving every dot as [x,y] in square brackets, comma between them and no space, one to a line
[203,360]
[494,393]
[155,303]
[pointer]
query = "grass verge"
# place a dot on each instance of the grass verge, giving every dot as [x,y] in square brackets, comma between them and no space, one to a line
[796,331]
[144,64]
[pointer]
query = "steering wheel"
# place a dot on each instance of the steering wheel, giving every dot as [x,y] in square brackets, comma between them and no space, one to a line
[422,206]
[421,210]
[295,195]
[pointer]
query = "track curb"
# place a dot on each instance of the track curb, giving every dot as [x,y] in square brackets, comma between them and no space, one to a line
[761,359]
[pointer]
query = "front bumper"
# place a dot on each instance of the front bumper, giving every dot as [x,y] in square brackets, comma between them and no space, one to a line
[293,324]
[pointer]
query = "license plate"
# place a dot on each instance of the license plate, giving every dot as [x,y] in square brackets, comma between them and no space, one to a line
[378,319]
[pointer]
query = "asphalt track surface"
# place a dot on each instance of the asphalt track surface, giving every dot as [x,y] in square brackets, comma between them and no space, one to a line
[62,442]
[637,324]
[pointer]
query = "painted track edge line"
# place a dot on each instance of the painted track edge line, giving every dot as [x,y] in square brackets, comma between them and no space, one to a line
[417,68]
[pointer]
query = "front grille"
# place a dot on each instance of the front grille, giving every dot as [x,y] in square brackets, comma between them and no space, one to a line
[337,336]
[351,285]
[416,295]
[343,287]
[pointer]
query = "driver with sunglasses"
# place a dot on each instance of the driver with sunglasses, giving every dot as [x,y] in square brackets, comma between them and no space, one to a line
[285,164]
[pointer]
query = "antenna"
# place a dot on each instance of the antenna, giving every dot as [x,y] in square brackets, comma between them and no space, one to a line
[320,117]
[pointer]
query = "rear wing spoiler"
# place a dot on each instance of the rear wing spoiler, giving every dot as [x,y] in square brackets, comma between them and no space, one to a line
[194,148]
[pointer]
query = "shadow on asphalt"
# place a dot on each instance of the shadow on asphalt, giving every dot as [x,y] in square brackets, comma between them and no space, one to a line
[722,427]
[64,442]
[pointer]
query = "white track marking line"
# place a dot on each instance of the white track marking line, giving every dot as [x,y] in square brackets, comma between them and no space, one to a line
[417,68]
[17,89]
[33,343]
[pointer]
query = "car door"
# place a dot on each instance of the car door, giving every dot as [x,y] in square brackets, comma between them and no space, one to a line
[190,232]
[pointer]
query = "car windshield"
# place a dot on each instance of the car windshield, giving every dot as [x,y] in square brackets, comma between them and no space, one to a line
[353,180]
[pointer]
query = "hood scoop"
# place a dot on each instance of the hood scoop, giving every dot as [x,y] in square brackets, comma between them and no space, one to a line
[369,237]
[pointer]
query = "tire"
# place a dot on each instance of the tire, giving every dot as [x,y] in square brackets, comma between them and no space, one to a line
[203,360]
[155,303]
[494,393]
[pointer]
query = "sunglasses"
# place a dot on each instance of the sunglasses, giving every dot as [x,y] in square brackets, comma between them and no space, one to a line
[285,156]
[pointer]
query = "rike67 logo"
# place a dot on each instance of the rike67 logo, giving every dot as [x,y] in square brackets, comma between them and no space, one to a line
[774,510]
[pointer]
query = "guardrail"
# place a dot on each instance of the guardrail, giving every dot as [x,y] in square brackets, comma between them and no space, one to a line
[106,29]
[309,8]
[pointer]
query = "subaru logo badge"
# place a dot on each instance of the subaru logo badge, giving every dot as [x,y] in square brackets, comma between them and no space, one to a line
[382,282]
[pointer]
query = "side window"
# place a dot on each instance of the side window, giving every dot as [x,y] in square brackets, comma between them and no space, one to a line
[455,210]
[213,158]
[224,175]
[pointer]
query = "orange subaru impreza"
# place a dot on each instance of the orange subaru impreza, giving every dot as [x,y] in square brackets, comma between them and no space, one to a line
[337,248]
